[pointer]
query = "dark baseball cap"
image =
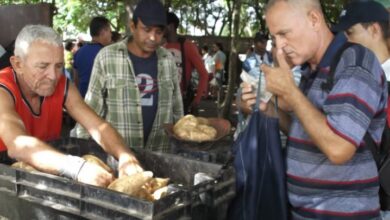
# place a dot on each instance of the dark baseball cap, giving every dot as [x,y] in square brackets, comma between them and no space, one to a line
[151,13]
[361,12]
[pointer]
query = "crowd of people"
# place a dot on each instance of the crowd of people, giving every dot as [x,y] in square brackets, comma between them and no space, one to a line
[332,96]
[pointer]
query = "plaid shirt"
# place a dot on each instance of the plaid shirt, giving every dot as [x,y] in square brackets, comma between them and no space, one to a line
[113,71]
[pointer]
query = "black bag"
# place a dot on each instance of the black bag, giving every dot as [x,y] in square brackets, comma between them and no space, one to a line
[381,152]
[260,171]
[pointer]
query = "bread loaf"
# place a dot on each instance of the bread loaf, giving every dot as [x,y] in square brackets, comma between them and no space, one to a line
[193,128]
[93,159]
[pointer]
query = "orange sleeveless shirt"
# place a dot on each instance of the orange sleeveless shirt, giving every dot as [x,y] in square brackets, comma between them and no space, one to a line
[47,124]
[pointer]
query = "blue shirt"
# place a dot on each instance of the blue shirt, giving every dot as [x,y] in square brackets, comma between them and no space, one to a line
[317,188]
[252,63]
[145,70]
[83,63]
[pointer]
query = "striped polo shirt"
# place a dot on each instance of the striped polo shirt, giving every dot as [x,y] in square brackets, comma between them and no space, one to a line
[317,188]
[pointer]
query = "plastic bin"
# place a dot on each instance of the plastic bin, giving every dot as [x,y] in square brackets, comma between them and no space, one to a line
[36,195]
[214,152]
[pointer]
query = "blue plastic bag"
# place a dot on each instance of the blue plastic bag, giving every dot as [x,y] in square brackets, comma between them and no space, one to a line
[260,171]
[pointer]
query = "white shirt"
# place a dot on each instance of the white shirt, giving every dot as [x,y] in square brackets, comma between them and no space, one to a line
[386,69]
[209,63]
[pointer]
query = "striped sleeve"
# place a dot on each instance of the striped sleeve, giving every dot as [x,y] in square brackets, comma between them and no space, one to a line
[355,99]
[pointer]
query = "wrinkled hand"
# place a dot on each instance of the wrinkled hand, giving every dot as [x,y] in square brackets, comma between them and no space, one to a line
[279,80]
[128,165]
[95,175]
[248,99]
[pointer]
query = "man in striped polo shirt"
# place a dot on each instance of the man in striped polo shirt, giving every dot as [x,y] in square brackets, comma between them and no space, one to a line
[331,174]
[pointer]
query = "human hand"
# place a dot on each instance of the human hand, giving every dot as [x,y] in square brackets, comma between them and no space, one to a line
[128,165]
[248,97]
[94,174]
[279,80]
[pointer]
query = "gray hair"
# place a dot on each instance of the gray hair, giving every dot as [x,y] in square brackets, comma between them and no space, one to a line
[308,4]
[32,33]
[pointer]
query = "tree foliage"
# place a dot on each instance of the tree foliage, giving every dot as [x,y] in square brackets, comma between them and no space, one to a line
[208,17]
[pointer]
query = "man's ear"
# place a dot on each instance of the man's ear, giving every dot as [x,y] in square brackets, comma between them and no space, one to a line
[132,26]
[315,19]
[16,63]
[376,30]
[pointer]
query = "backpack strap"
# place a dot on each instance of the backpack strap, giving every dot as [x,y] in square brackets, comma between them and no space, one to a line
[328,85]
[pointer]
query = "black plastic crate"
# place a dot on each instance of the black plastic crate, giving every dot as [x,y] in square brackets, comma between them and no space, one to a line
[51,197]
[214,152]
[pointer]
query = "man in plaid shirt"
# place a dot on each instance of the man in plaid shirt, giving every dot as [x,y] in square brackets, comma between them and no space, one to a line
[134,83]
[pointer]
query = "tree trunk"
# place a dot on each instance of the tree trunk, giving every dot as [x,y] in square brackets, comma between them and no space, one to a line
[129,5]
[227,103]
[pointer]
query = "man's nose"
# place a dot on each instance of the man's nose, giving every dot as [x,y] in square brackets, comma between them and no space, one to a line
[280,42]
[51,73]
[152,36]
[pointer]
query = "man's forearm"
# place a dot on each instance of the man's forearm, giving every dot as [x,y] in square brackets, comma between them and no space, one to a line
[315,124]
[36,153]
[111,141]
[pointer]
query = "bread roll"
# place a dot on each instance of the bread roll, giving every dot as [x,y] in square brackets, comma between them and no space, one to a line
[157,183]
[141,185]
[158,194]
[93,159]
[131,185]
[193,128]
[203,121]
[210,131]
[188,121]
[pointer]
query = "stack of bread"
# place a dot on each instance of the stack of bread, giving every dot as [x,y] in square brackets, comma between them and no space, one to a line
[193,128]
[140,185]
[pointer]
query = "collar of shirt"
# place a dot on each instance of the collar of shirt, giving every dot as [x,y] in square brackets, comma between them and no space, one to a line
[338,41]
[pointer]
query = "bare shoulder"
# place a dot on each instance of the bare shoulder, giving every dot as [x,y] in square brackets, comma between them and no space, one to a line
[7,99]
[73,97]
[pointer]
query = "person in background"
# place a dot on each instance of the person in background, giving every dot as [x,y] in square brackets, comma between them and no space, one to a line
[251,70]
[331,173]
[386,4]
[259,55]
[219,59]
[370,30]
[187,59]
[134,83]
[100,31]
[33,93]
[70,50]
[207,60]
